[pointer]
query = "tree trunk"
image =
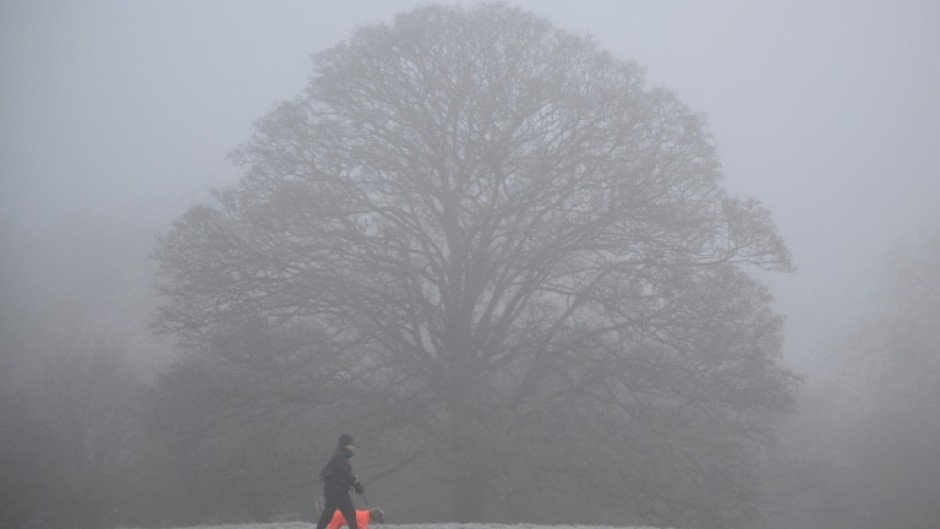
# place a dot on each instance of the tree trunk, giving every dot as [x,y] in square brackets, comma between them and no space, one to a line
[471,459]
[470,487]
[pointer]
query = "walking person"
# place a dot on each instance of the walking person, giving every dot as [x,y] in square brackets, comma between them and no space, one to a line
[338,477]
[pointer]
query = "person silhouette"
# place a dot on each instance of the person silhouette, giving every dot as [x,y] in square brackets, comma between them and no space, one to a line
[337,477]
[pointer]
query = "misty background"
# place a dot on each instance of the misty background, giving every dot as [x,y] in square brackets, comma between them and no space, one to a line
[116,117]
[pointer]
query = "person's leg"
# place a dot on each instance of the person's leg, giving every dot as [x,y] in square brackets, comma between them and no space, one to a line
[345,505]
[329,507]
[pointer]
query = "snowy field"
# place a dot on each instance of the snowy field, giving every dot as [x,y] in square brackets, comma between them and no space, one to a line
[301,525]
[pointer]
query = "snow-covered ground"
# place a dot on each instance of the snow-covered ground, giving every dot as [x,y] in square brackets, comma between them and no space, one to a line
[301,525]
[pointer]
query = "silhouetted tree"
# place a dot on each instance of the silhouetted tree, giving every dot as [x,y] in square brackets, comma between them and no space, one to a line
[235,422]
[500,229]
[72,438]
[882,419]
[22,484]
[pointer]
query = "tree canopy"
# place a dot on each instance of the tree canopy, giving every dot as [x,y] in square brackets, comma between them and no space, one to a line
[502,236]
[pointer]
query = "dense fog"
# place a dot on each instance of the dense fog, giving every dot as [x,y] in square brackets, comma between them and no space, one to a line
[137,387]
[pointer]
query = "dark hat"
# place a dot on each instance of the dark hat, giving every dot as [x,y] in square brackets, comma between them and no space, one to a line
[345,439]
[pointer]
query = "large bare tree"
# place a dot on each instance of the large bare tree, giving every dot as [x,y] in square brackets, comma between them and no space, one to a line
[485,215]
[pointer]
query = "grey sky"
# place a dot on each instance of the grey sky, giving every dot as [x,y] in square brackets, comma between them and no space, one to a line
[119,113]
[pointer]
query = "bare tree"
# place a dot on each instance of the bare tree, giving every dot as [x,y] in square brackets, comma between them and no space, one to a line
[484,214]
[237,419]
[882,422]
[74,435]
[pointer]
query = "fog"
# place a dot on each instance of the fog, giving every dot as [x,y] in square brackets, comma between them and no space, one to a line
[116,117]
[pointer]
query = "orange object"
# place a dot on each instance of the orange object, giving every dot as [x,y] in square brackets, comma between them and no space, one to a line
[363,518]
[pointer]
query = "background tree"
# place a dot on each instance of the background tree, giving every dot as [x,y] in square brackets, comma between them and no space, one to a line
[509,240]
[876,432]
[72,440]
[22,487]
[233,422]
[862,451]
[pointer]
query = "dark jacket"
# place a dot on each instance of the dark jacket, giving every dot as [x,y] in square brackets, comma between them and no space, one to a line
[337,474]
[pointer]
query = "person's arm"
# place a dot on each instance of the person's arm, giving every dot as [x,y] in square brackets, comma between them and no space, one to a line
[344,469]
[332,470]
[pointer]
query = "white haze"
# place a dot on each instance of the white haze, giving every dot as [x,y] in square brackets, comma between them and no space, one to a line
[115,116]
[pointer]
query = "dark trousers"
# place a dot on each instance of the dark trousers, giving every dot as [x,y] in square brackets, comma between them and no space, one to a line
[335,499]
